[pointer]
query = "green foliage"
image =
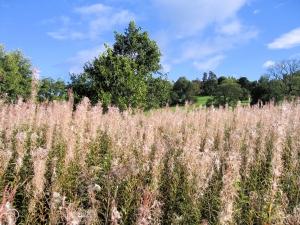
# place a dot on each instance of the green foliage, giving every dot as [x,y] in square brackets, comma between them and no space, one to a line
[116,81]
[122,75]
[290,178]
[210,202]
[99,162]
[281,82]
[54,166]
[179,207]
[228,92]
[253,206]
[159,92]
[137,46]
[50,90]
[15,75]
[83,86]
[209,83]
[268,90]
[295,85]
[9,176]
[285,71]
[184,90]
[24,191]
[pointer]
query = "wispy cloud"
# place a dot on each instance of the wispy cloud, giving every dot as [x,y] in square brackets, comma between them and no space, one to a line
[230,28]
[256,11]
[92,9]
[90,22]
[269,63]
[287,40]
[209,48]
[81,57]
[189,17]
[209,63]
[202,31]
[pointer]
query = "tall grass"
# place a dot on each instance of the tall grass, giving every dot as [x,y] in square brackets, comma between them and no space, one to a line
[201,166]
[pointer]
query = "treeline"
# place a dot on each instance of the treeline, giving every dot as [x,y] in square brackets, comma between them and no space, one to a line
[129,74]
[282,82]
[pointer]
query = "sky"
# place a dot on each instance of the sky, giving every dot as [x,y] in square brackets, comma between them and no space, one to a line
[230,37]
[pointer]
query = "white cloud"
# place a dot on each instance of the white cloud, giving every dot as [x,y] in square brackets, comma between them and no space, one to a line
[93,9]
[190,16]
[256,11]
[93,21]
[210,63]
[287,40]
[201,30]
[231,28]
[268,64]
[81,57]
[166,68]
[197,50]
[65,34]
[108,21]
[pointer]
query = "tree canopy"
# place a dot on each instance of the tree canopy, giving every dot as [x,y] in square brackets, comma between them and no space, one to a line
[139,48]
[124,74]
[15,75]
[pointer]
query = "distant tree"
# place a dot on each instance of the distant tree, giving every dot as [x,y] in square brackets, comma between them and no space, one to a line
[196,88]
[277,91]
[50,90]
[246,86]
[267,90]
[281,82]
[295,87]
[204,77]
[260,90]
[83,85]
[183,90]
[228,92]
[245,83]
[221,79]
[285,71]
[210,85]
[15,75]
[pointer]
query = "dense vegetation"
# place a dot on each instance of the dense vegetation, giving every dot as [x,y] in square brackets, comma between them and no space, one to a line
[129,75]
[182,166]
[64,161]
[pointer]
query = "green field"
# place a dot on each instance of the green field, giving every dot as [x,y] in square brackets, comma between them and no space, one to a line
[202,100]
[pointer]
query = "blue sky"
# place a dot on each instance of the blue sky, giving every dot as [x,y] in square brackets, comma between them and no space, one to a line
[230,37]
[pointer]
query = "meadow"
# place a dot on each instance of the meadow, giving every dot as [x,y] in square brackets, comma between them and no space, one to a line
[169,166]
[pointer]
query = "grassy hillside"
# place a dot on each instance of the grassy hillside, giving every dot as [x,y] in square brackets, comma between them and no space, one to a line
[202,100]
[210,166]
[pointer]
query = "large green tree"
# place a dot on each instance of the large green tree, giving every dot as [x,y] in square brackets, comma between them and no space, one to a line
[115,81]
[15,75]
[137,46]
[124,75]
